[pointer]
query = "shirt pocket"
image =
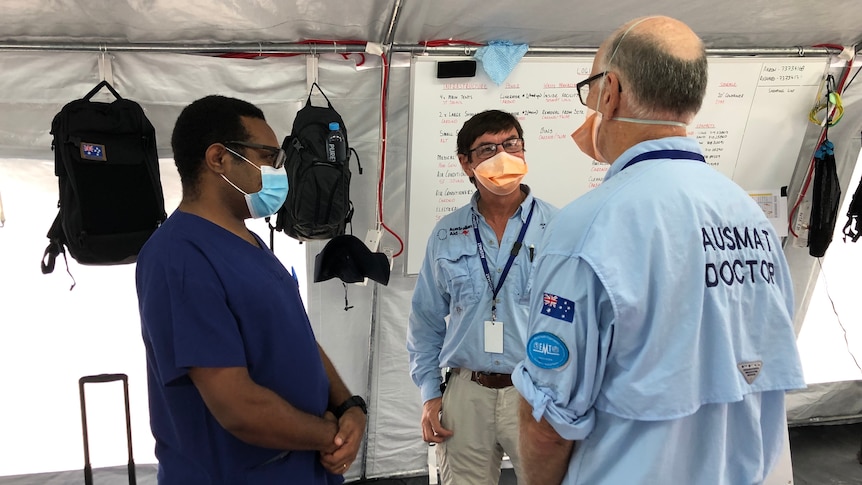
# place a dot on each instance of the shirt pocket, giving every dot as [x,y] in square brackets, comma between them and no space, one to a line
[458,279]
[521,276]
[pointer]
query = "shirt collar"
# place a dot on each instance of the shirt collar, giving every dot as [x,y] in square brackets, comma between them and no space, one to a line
[525,205]
[668,143]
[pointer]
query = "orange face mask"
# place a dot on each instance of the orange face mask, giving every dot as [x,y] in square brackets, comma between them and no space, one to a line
[586,136]
[501,174]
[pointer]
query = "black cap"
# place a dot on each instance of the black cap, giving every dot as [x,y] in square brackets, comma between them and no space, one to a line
[348,258]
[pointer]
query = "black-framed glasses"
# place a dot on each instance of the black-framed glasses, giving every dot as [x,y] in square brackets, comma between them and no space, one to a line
[488,150]
[583,87]
[277,157]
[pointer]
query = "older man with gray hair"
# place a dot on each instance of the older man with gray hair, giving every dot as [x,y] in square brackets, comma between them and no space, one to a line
[660,341]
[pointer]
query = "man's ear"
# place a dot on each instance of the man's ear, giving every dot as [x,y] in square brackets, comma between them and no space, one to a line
[611,95]
[216,157]
[465,164]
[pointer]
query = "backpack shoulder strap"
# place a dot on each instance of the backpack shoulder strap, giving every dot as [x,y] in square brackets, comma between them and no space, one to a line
[358,165]
[56,243]
[55,246]
[271,232]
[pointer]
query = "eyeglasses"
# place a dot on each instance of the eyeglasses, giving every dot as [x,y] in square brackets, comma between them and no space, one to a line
[583,87]
[277,157]
[488,150]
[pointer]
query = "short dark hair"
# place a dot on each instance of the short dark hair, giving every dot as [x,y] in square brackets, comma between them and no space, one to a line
[208,120]
[491,121]
[660,84]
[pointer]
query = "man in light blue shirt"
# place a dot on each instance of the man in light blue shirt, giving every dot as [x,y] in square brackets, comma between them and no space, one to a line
[475,274]
[660,336]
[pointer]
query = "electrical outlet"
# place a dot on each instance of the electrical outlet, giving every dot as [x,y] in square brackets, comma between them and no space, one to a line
[372,239]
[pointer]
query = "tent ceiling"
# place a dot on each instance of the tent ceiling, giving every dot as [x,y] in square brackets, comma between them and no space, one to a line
[193,21]
[724,24]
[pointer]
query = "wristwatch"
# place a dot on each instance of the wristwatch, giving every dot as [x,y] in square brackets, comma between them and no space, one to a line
[349,403]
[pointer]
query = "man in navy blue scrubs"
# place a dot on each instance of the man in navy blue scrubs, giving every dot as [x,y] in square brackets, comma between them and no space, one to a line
[239,390]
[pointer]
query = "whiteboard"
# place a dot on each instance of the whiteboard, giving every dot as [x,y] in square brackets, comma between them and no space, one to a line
[750,127]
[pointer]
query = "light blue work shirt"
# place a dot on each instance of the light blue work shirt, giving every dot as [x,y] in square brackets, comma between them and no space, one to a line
[452,284]
[660,332]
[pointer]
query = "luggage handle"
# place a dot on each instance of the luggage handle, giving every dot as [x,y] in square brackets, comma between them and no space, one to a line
[104,378]
[88,470]
[105,84]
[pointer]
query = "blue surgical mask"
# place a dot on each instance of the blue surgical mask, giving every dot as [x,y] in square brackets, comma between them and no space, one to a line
[269,199]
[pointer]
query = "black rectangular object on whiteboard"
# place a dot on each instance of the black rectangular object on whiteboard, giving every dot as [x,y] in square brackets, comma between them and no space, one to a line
[450,69]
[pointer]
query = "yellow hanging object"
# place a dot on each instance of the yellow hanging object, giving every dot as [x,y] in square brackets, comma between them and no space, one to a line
[829,102]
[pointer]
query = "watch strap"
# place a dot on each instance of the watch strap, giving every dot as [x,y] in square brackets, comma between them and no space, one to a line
[352,401]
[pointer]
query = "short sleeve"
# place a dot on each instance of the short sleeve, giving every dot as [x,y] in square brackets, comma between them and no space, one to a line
[187,315]
[569,337]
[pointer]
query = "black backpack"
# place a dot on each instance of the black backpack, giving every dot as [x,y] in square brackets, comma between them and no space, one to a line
[107,166]
[826,193]
[318,200]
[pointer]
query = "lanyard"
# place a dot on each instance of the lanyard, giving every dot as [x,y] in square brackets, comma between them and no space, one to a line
[659,154]
[515,249]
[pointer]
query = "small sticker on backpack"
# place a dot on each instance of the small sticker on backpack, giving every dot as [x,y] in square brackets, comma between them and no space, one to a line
[93,151]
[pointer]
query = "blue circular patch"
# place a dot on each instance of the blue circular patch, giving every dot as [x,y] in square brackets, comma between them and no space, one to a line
[547,351]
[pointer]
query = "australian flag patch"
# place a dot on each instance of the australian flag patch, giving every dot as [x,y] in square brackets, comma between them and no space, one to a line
[93,151]
[558,307]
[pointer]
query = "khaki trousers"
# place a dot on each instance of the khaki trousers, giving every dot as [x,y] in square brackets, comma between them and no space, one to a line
[485,424]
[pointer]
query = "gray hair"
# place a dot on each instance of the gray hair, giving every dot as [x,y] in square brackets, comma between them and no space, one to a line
[660,86]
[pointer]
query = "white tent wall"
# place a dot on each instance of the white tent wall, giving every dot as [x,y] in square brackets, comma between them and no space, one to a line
[396,443]
[367,342]
[846,137]
[162,83]
[830,328]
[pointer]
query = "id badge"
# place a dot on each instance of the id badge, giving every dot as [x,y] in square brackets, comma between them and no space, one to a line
[493,337]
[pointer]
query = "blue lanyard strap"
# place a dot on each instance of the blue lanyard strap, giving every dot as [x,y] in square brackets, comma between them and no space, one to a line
[515,249]
[664,154]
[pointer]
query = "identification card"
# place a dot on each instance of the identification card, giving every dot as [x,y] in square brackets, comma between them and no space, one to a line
[493,337]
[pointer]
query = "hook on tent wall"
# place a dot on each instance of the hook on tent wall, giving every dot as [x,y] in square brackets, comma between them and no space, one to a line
[311,68]
[106,71]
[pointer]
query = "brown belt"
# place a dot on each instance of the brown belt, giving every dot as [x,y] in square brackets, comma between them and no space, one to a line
[491,380]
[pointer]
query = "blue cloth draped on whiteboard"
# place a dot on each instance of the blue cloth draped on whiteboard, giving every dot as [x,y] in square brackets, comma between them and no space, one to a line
[499,58]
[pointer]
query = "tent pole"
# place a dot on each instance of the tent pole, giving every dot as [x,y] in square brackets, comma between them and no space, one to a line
[335,47]
[469,50]
[389,37]
[372,344]
[263,48]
